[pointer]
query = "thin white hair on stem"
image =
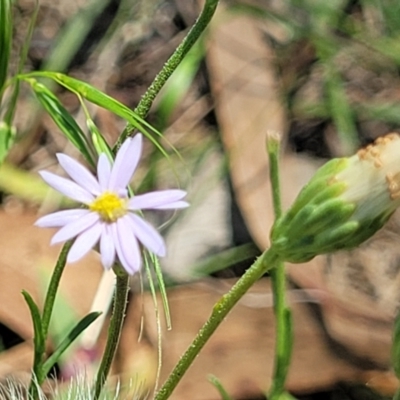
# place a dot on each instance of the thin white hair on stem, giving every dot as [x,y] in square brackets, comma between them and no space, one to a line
[79,388]
[12,389]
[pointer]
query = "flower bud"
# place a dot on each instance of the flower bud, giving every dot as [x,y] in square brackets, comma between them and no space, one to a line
[345,203]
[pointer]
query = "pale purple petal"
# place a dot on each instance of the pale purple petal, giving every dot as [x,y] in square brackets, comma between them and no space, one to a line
[160,199]
[173,206]
[79,173]
[103,171]
[127,246]
[60,218]
[67,187]
[76,227]
[107,248]
[84,243]
[126,162]
[147,235]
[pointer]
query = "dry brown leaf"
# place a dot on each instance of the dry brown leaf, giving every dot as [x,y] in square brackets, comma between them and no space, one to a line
[26,259]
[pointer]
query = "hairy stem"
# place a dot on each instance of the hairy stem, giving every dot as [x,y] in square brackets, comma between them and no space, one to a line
[283,318]
[171,65]
[114,331]
[221,309]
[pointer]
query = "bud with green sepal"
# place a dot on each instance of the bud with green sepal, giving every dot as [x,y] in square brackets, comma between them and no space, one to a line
[345,203]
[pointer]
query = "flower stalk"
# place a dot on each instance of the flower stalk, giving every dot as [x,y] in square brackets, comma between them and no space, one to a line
[171,65]
[114,330]
[283,315]
[263,264]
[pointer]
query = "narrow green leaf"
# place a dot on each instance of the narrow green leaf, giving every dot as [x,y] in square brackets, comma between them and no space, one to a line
[99,143]
[396,347]
[163,291]
[99,98]
[103,100]
[62,118]
[39,341]
[72,35]
[147,262]
[341,110]
[69,339]
[36,319]
[218,385]
[12,103]
[5,39]
[7,137]
[223,259]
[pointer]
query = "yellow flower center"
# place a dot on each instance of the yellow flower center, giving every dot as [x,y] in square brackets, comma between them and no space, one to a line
[109,206]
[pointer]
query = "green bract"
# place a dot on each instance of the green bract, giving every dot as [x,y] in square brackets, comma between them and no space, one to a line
[345,203]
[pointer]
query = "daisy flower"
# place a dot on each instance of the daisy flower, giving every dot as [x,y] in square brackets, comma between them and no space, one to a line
[110,216]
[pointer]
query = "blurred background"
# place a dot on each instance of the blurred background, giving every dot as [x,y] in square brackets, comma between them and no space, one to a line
[324,76]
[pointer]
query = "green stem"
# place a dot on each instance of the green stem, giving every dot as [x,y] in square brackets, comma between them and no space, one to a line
[273,149]
[9,115]
[283,329]
[37,374]
[142,110]
[114,331]
[171,65]
[264,263]
[53,287]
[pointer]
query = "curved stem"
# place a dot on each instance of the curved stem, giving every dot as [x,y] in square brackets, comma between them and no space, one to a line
[114,331]
[264,263]
[170,66]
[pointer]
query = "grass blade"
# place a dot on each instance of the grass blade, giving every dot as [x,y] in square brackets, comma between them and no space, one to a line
[5,39]
[69,339]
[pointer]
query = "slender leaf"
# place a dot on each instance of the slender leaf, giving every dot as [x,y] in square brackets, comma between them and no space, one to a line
[12,104]
[224,259]
[65,343]
[98,140]
[62,118]
[39,340]
[161,284]
[7,136]
[147,263]
[103,100]
[218,385]
[72,35]
[99,143]
[396,347]
[5,39]
[340,108]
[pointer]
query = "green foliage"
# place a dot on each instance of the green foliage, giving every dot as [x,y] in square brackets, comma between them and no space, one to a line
[63,119]
[5,40]
[68,340]
[7,137]
[218,385]
[396,347]
[39,338]
[179,83]
[349,46]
